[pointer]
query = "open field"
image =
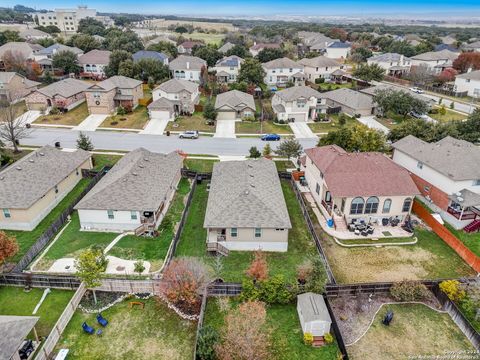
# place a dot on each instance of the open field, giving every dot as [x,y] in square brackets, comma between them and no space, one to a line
[15,301]
[70,118]
[194,122]
[416,330]
[154,332]
[137,119]
[214,39]
[261,127]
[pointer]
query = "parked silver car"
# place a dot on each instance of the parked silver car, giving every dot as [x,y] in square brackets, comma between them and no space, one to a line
[191,134]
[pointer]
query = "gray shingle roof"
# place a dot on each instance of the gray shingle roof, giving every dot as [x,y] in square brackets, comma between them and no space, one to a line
[235,99]
[246,194]
[296,92]
[284,63]
[117,81]
[351,98]
[225,47]
[97,57]
[23,48]
[472,75]
[437,55]
[145,54]
[313,307]
[474,45]
[161,104]
[139,181]
[56,48]
[319,61]
[6,77]
[66,88]
[177,85]
[373,89]
[457,159]
[27,180]
[387,57]
[13,330]
[181,62]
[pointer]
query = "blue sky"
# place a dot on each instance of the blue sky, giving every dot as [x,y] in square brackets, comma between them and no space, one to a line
[270,7]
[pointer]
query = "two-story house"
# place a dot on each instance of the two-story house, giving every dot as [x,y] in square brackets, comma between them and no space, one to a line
[94,63]
[394,64]
[435,61]
[319,67]
[49,52]
[279,72]
[187,46]
[338,50]
[298,103]
[227,69]
[447,174]
[187,68]
[469,83]
[174,97]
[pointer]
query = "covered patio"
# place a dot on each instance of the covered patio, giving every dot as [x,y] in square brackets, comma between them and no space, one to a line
[464,205]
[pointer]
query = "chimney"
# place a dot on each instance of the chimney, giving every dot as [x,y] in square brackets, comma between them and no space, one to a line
[188,65]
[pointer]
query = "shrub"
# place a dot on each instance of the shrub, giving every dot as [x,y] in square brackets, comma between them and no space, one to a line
[452,288]
[433,111]
[271,291]
[254,153]
[249,118]
[452,105]
[54,111]
[409,291]
[328,338]
[114,122]
[342,119]
[442,110]
[319,80]
[139,266]
[208,337]
[308,339]
[320,117]
[121,110]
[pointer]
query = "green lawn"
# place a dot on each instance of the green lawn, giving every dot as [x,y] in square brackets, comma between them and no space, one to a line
[287,339]
[415,330]
[264,127]
[200,165]
[155,249]
[25,239]
[101,160]
[284,165]
[331,86]
[71,118]
[449,116]
[300,244]
[15,301]
[325,127]
[194,122]
[214,39]
[152,333]
[472,240]
[137,119]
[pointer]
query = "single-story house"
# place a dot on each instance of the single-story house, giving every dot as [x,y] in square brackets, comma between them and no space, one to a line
[106,96]
[187,46]
[155,55]
[298,103]
[94,63]
[349,101]
[19,50]
[256,48]
[64,94]
[469,83]
[227,69]
[279,72]
[187,67]
[234,105]
[365,186]
[313,314]
[13,333]
[174,97]
[14,87]
[246,209]
[134,195]
[31,187]
[319,67]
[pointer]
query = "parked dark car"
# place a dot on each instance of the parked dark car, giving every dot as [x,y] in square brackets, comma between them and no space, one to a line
[270,137]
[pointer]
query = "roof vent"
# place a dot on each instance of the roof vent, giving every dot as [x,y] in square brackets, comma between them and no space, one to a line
[146,159]
[250,166]
[2,177]
[31,160]
[247,192]
[141,166]
[18,168]
[252,185]
[251,175]
[134,174]
[41,154]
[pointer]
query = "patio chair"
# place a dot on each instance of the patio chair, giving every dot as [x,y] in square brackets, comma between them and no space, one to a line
[88,329]
[101,320]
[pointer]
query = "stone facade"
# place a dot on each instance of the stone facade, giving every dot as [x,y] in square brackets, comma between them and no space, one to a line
[37,101]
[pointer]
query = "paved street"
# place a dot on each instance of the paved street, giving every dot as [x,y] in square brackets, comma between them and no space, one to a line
[112,140]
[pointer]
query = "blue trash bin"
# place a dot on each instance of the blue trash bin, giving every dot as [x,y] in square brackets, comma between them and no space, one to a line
[330,222]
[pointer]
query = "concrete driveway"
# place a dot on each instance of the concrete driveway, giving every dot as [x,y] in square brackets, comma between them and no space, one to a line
[29,117]
[225,129]
[372,123]
[91,122]
[155,127]
[302,131]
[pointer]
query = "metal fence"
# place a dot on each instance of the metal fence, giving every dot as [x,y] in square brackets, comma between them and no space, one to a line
[48,234]
[224,289]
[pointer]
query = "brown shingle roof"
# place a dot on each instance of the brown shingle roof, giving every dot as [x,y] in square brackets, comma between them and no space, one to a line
[95,57]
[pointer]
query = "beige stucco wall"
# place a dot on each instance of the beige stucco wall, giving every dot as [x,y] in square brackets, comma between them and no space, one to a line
[271,239]
[28,219]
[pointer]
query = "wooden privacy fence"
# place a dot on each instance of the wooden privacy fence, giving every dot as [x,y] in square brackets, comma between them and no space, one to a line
[40,281]
[129,286]
[60,325]
[465,253]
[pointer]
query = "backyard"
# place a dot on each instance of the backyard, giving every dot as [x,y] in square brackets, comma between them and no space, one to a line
[261,127]
[200,165]
[154,332]
[101,160]
[300,244]
[471,240]
[194,122]
[137,119]
[333,124]
[331,86]
[70,118]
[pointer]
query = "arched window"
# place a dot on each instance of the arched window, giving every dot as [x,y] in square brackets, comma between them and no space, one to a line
[387,204]
[406,205]
[371,207]
[356,206]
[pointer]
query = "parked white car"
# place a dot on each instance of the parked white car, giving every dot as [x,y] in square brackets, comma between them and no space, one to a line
[416,90]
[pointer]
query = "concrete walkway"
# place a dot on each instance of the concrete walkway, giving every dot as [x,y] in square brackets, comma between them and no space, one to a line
[91,122]
[225,129]
[155,127]
[372,123]
[29,117]
[302,131]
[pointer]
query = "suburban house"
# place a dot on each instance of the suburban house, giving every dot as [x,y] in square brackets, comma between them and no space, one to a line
[187,67]
[474,46]
[393,63]
[174,97]
[155,55]
[298,103]
[319,67]
[18,51]
[94,63]
[226,47]
[227,69]
[134,195]
[64,94]
[161,38]
[187,46]
[314,42]
[106,96]
[281,71]
[256,48]
[234,105]
[349,101]
[49,52]
[364,186]
[35,184]
[469,83]
[34,34]
[246,209]
[14,87]
[447,175]
[314,316]
[338,50]
[435,61]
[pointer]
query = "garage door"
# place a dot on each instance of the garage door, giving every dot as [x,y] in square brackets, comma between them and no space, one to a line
[36,106]
[297,117]
[226,115]
[160,114]
[99,110]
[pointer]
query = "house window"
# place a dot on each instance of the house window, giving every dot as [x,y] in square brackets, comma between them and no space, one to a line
[357,206]
[258,232]
[133,215]
[476,182]
[371,206]
[317,189]
[6,213]
[420,165]
[233,232]
[387,204]
[110,214]
[406,205]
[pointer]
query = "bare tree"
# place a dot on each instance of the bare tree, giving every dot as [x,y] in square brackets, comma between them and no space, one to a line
[13,125]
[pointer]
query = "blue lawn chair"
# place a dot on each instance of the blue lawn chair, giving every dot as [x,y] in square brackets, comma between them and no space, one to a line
[88,329]
[101,320]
